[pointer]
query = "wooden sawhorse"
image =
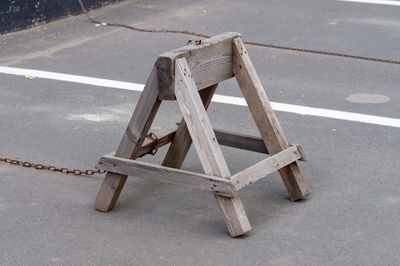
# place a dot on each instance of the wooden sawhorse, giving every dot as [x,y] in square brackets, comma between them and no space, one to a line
[190,75]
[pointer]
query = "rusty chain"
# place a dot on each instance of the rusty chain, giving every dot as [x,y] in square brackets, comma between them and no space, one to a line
[154,138]
[267,45]
[67,171]
[51,168]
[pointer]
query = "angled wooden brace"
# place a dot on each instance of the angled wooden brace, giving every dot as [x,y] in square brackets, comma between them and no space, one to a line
[182,141]
[207,146]
[268,125]
[131,142]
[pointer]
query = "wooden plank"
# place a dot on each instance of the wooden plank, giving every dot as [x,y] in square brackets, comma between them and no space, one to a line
[180,145]
[198,123]
[131,142]
[141,120]
[206,145]
[247,142]
[224,138]
[240,141]
[164,136]
[210,63]
[268,166]
[265,119]
[181,142]
[218,185]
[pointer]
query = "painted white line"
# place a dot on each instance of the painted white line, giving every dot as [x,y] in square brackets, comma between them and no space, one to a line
[321,112]
[282,107]
[377,2]
[72,78]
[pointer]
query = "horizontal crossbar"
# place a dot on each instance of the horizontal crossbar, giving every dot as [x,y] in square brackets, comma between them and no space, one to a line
[209,60]
[163,138]
[268,166]
[217,185]
[225,138]
[240,141]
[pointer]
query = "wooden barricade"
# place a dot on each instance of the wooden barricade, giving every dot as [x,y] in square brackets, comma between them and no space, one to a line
[190,76]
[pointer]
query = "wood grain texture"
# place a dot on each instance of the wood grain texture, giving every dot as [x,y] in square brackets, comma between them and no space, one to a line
[164,137]
[247,142]
[141,120]
[265,119]
[198,123]
[210,63]
[206,145]
[131,142]
[240,141]
[265,167]
[182,141]
[220,186]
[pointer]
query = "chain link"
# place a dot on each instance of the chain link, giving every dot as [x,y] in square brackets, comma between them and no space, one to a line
[154,138]
[67,171]
[51,168]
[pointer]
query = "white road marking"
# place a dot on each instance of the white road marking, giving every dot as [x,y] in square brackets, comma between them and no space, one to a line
[377,2]
[282,107]
[72,78]
[321,112]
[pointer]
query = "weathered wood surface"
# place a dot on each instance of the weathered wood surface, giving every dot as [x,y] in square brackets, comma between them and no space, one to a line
[131,142]
[198,123]
[207,146]
[218,185]
[210,63]
[240,141]
[164,136]
[182,141]
[248,142]
[265,167]
[265,119]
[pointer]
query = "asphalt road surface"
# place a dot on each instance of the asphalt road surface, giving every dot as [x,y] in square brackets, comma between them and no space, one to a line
[352,215]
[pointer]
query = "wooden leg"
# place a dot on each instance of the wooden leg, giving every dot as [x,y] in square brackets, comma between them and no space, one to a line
[131,142]
[206,145]
[180,145]
[265,119]
[109,191]
[234,215]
